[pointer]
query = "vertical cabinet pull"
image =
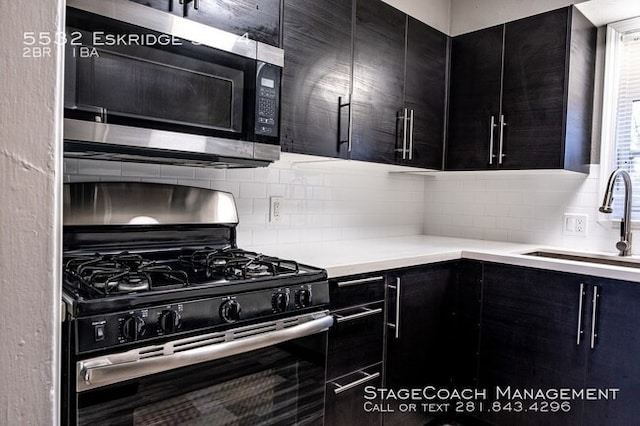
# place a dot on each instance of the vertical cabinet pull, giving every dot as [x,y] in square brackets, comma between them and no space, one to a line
[501,146]
[580,307]
[492,125]
[411,135]
[406,115]
[396,326]
[341,105]
[594,316]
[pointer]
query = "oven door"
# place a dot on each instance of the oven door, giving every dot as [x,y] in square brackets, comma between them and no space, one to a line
[266,374]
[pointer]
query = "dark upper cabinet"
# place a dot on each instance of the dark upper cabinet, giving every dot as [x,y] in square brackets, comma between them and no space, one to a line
[399,88]
[425,94]
[396,70]
[378,81]
[316,76]
[522,94]
[474,98]
[258,19]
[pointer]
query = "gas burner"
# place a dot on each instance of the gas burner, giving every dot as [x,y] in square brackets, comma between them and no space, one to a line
[121,273]
[257,265]
[208,259]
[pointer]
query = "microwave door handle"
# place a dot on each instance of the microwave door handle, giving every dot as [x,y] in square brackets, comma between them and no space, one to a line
[109,369]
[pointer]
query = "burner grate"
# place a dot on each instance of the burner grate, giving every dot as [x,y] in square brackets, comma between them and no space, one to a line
[233,264]
[121,273]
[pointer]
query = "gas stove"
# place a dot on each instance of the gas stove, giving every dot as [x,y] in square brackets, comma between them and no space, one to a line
[143,262]
[167,318]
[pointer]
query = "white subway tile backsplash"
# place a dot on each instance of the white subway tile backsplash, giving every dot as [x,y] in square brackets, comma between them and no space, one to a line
[99,168]
[140,170]
[171,171]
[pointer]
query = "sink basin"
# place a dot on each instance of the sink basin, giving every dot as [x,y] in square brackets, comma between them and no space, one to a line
[603,259]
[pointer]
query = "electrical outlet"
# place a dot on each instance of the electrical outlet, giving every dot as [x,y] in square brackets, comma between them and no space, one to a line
[275,209]
[575,224]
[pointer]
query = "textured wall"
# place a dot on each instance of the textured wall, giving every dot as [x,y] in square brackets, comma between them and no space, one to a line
[29,215]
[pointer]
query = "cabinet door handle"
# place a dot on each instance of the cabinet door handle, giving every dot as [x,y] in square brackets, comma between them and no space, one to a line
[341,105]
[367,377]
[404,116]
[492,125]
[411,135]
[502,126]
[360,281]
[594,316]
[396,326]
[580,306]
[365,313]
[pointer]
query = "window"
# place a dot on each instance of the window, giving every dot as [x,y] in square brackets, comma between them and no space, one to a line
[621,111]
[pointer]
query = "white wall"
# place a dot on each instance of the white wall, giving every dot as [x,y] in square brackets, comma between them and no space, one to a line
[436,13]
[471,15]
[327,201]
[30,171]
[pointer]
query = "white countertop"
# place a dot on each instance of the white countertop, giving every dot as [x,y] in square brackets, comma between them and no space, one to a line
[344,258]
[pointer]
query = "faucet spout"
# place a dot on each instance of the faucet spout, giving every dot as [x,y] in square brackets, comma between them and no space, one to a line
[624,244]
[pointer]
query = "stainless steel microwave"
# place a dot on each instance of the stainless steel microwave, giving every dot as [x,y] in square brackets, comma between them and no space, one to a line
[145,85]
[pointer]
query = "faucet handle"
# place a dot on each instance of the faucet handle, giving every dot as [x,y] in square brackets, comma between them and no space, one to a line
[623,247]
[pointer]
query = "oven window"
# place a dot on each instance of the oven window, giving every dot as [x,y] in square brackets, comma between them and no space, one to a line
[279,385]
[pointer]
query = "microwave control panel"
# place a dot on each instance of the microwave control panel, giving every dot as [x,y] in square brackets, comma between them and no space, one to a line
[267,100]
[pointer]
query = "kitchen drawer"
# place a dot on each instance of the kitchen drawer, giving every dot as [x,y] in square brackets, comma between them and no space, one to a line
[356,339]
[356,290]
[345,399]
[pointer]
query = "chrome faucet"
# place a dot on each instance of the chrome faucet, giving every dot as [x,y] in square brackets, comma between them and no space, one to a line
[624,245]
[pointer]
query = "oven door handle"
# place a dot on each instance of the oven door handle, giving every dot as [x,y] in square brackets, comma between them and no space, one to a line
[110,369]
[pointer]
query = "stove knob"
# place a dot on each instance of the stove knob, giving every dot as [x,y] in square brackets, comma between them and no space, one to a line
[303,298]
[133,327]
[230,310]
[170,321]
[280,301]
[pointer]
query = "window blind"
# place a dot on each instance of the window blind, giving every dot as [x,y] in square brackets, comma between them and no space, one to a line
[627,129]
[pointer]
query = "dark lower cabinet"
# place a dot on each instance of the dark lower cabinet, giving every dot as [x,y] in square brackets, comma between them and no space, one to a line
[355,352]
[419,339]
[614,360]
[347,402]
[529,340]
[546,331]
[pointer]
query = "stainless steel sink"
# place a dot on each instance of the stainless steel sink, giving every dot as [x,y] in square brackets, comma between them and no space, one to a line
[603,259]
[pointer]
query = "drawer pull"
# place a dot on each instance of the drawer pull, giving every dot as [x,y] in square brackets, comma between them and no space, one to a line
[367,377]
[365,313]
[360,281]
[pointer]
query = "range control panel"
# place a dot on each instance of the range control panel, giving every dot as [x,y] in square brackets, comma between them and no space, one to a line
[157,322]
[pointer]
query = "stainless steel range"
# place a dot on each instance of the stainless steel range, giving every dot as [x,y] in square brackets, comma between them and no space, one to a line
[169,322]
